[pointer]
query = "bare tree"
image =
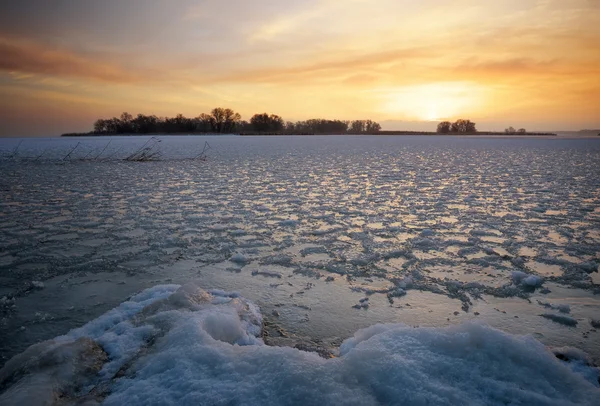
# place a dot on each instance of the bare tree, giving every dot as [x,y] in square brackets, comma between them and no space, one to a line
[463,126]
[265,122]
[444,127]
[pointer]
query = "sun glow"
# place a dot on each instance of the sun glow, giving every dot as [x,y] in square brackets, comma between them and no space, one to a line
[434,101]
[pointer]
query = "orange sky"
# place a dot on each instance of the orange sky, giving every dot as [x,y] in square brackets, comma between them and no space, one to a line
[526,63]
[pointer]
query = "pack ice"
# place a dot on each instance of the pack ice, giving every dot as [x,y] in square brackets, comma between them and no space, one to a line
[182,345]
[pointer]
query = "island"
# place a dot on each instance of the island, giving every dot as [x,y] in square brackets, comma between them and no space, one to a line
[226,121]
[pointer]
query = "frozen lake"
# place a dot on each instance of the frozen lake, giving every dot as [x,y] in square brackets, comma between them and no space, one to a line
[325,234]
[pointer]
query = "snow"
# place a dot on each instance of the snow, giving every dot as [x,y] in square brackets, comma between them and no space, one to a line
[204,347]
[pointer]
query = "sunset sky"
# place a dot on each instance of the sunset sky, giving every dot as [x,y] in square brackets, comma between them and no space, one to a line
[526,63]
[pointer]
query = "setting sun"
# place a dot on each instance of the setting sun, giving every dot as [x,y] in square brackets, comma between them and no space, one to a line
[398,61]
[300,202]
[433,102]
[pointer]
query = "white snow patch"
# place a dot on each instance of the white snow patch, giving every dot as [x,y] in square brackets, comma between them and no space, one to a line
[206,349]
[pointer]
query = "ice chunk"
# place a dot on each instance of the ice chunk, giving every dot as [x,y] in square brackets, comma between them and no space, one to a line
[526,280]
[239,259]
[589,267]
[268,274]
[288,223]
[427,233]
[563,308]
[37,285]
[561,319]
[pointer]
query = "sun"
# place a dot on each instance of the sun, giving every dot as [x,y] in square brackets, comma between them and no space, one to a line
[432,101]
[431,114]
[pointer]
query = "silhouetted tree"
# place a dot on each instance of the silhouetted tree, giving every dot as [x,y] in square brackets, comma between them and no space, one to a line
[522,131]
[372,127]
[267,123]
[463,126]
[510,130]
[224,120]
[357,126]
[290,128]
[100,126]
[204,123]
[444,127]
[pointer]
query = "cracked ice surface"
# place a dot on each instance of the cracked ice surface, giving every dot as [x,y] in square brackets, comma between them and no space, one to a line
[336,233]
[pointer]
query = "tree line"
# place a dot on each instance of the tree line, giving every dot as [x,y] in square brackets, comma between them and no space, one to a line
[512,130]
[460,126]
[226,121]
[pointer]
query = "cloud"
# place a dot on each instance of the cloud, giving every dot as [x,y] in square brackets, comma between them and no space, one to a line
[327,70]
[28,57]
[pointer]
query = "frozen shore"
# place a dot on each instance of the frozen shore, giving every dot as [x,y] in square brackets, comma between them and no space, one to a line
[183,345]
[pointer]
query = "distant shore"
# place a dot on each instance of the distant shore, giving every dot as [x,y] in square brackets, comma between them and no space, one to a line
[257,133]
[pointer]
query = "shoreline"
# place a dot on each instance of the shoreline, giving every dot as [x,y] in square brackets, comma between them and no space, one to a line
[380,133]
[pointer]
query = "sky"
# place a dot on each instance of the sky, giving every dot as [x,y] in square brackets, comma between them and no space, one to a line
[406,64]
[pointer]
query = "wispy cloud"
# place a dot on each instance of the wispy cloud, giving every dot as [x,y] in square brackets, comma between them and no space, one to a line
[300,58]
[27,57]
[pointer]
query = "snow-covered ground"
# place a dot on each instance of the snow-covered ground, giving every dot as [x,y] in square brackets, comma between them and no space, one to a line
[327,235]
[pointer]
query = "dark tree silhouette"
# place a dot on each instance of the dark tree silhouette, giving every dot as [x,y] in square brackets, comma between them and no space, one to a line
[372,127]
[444,127]
[357,126]
[267,123]
[224,120]
[463,126]
[290,127]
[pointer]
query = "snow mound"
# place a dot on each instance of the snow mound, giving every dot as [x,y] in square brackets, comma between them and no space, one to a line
[204,347]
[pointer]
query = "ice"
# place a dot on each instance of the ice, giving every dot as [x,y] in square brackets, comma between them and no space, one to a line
[238,258]
[579,362]
[288,223]
[37,285]
[268,274]
[561,319]
[50,370]
[205,347]
[526,280]
[561,307]
[589,266]
[338,212]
